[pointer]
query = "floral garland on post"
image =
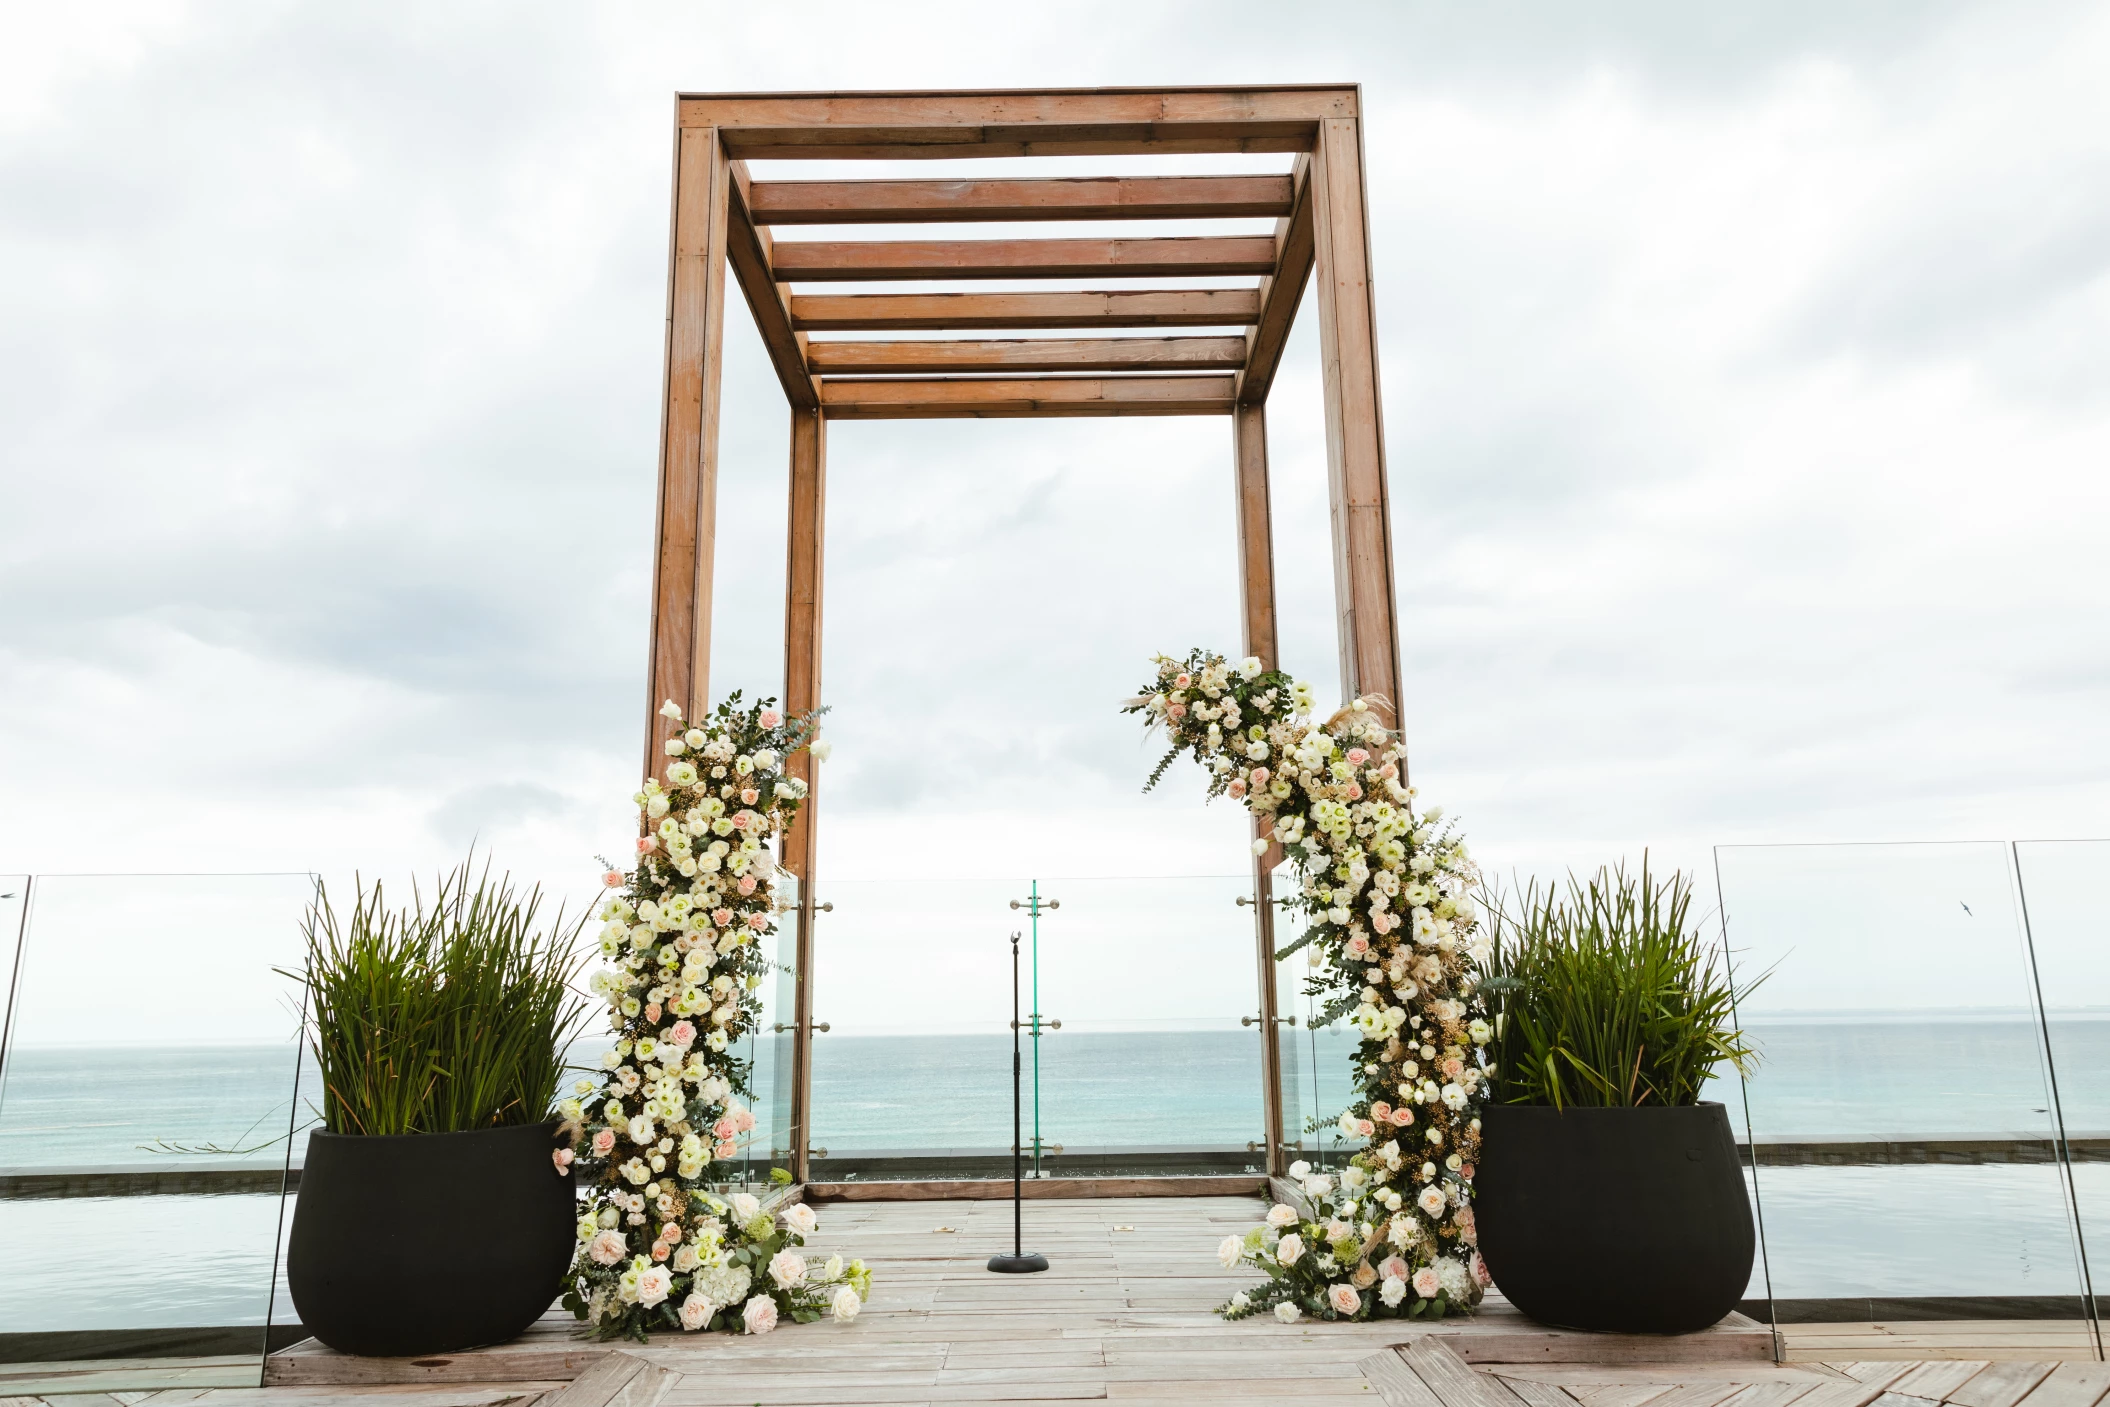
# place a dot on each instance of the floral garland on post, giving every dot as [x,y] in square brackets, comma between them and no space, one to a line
[1393,936]
[657,1248]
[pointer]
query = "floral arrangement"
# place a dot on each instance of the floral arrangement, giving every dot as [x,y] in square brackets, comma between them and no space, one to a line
[1393,937]
[657,1248]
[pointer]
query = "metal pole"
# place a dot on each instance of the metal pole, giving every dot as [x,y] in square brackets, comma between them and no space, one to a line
[1034,900]
[1018,1262]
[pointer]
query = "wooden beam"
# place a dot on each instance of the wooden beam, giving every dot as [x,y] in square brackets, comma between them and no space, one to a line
[1073,198]
[978,123]
[686,531]
[804,557]
[1280,293]
[750,252]
[971,398]
[837,261]
[1256,585]
[904,312]
[1355,438]
[1035,355]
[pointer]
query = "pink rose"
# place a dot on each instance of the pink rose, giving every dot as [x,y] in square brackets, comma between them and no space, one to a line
[726,1149]
[1453,1068]
[647,844]
[1380,1109]
[1358,945]
[742,820]
[1357,756]
[1394,1268]
[1389,771]
[603,1142]
[613,879]
[770,718]
[652,1012]
[1479,1269]
[721,917]
[1344,1299]
[660,1250]
[743,1120]
[1466,1172]
[1426,1284]
[758,921]
[1260,776]
[725,1128]
[682,1034]
[562,1157]
[760,1315]
[1402,1116]
[607,1248]
[1178,710]
[750,797]
[1364,1128]
[1382,922]
[747,884]
[1235,790]
[1354,791]
[670,1233]
[1182,681]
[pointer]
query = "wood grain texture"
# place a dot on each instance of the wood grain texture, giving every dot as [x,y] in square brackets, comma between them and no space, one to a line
[1396,1384]
[1364,595]
[2000,1384]
[1452,1379]
[972,312]
[750,252]
[814,261]
[1071,198]
[1256,591]
[1538,1394]
[968,398]
[686,531]
[2072,1385]
[805,556]
[1281,292]
[1020,355]
[1938,1380]
[1036,1189]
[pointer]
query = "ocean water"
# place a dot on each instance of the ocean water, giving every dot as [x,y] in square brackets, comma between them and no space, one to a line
[1929,1230]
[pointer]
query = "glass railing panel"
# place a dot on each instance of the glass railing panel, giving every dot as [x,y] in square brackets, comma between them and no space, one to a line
[146,1105]
[1901,1107]
[912,978]
[2062,885]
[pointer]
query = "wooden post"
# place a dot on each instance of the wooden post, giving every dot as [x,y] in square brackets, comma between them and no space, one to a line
[802,692]
[685,537]
[1355,437]
[1256,582]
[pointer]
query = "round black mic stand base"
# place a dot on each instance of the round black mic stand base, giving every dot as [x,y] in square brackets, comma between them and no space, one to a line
[1018,1265]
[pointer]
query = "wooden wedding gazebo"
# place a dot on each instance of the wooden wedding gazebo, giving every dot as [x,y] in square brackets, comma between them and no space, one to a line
[723,217]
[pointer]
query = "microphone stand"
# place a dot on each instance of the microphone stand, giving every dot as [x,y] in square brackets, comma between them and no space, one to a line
[1018,1262]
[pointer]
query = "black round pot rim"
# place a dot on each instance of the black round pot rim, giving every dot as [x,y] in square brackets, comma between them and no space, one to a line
[1612,1108]
[380,1138]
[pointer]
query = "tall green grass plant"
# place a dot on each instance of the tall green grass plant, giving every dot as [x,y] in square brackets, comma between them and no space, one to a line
[448,1015]
[1606,994]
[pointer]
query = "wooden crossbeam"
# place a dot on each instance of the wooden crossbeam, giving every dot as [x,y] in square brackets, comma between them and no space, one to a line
[977,398]
[1061,122]
[749,252]
[1280,293]
[850,261]
[905,312]
[1081,198]
[1036,355]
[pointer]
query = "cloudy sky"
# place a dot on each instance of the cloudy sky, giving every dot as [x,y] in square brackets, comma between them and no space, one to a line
[1745,398]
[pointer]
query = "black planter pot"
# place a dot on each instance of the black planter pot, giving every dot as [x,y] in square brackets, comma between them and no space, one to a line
[1631,1220]
[429,1243]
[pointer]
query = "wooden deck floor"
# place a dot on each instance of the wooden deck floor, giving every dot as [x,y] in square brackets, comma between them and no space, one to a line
[1123,1316]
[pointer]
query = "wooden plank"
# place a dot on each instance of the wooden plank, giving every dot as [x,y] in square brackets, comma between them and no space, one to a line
[1875,1374]
[1705,1394]
[1256,591]
[601,1383]
[1032,355]
[1937,1380]
[1355,442]
[1845,1394]
[1452,1381]
[750,252]
[1281,292]
[1396,1384]
[1558,1346]
[967,312]
[1036,1189]
[897,126]
[1070,198]
[2071,1385]
[813,261]
[686,531]
[1620,1394]
[1537,1394]
[2001,1384]
[1771,1394]
[940,399]
[804,558]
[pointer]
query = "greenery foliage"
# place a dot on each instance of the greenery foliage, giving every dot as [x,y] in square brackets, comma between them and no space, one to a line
[1606,994]
[451,1014]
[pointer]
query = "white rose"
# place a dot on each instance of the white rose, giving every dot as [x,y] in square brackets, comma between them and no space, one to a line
[1289,1248]
[653,1285]
[607,1248]
[845,1304]
[760,1315]
[800,1218]
[670,709]
[1288,1313]
[1430,1201]
[696,1311]
[1229,1251]
[821,749]
[1250,667]
[787,1268]
[745,1207]
[1281,1214]
[1393,1290]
